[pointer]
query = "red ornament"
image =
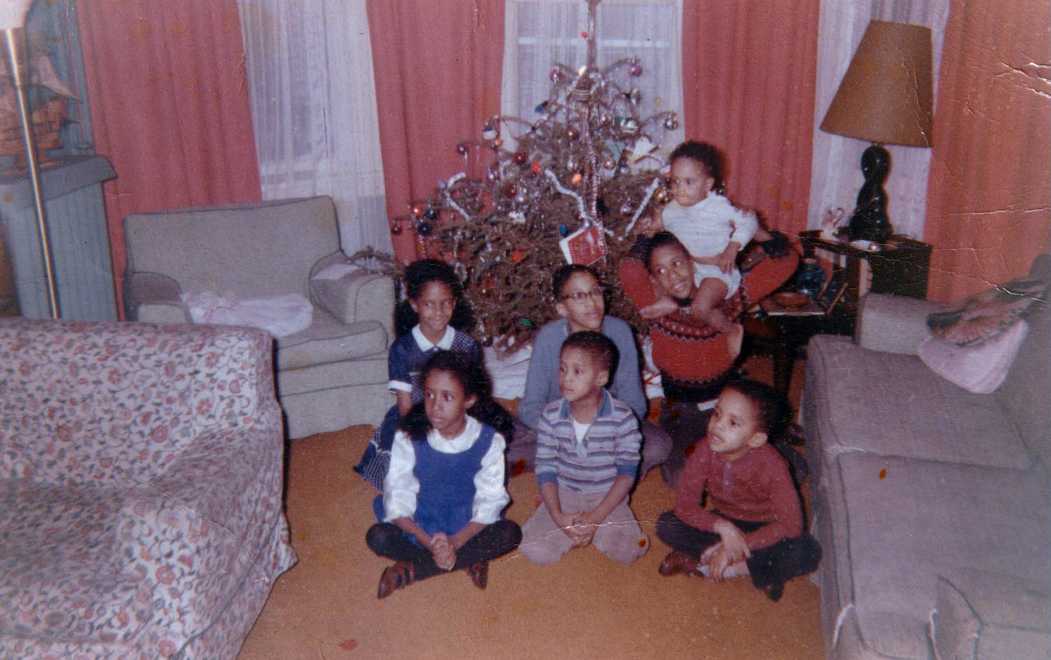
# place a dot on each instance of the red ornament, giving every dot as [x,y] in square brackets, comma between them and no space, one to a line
[521,158]
[583,35]
[536,167]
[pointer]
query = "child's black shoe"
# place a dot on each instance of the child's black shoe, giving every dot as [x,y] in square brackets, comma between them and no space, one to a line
[678,563]
[479,574]
[400,574]
[774,591]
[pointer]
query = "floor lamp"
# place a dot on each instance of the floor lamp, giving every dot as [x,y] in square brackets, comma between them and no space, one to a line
[12,21]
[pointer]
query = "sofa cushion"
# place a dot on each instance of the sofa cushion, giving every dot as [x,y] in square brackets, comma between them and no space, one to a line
[990,615]
[329,340]
[1026,392]
[893,405]
[903,522]
[365,371]
[61,575]
[253,250]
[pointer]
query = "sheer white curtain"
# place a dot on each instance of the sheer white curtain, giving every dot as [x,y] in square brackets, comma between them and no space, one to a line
[540,33]
[309,69]
[836,172]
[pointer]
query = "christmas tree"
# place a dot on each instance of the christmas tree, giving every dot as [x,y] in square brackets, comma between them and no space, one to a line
[578,179]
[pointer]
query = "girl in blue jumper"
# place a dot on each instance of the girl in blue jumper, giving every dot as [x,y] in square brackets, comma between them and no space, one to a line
[444,494]
[426,322]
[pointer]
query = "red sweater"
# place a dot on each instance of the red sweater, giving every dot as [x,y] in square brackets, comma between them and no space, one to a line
[756,487]
[684,348]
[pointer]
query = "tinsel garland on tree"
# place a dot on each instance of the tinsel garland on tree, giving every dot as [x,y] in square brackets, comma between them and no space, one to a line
[589,160]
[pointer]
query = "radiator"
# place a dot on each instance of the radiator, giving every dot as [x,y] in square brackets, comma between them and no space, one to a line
[79,241]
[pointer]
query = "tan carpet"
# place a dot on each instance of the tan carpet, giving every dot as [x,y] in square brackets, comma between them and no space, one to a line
[584,607]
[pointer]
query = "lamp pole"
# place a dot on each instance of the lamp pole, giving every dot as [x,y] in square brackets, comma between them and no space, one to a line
[14,38]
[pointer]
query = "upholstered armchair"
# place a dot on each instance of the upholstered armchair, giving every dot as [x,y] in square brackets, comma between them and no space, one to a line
[140,489]
[331,375]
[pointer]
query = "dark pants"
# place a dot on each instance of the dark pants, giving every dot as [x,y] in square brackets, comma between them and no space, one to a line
[388,540]
[775,564]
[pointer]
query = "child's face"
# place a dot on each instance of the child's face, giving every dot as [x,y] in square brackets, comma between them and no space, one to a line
[672,269]
[579,376]
[445,403]
[582,303]
[690,182]
[434,306]
[733,428]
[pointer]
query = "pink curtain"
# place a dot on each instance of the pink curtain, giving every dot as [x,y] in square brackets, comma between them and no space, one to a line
[989,192]
[437,65]
[169,107]
[749,70]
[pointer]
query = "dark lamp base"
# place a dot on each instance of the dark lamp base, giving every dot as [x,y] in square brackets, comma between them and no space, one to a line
[869,221]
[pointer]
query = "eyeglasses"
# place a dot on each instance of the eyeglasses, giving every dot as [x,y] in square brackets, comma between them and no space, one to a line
[581,296]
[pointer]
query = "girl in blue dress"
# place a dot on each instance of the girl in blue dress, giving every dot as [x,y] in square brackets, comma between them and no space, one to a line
[443,497]
[427,321]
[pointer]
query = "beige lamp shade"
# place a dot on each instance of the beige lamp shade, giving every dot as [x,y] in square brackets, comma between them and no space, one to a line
[885,96]
[13,13]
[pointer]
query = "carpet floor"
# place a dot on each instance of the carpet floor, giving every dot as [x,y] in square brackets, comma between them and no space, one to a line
[585,606]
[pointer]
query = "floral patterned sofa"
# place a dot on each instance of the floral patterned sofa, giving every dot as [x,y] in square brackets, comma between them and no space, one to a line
[140,489]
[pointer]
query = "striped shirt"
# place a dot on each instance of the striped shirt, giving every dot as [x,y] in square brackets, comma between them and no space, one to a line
[610,448]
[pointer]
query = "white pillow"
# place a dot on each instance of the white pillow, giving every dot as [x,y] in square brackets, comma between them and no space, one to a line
[281,315]
[979,368]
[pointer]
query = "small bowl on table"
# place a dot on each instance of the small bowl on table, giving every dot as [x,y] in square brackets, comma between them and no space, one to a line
[791,299]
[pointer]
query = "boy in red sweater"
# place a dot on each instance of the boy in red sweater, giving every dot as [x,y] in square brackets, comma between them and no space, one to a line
[754,525]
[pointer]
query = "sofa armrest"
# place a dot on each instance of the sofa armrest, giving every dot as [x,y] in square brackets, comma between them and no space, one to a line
[193,533]
[356,295]
[979,614]
[893,324]
[153,298]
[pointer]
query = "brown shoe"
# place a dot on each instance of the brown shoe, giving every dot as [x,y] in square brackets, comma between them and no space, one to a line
[678,563]
[399,574]
[479,574]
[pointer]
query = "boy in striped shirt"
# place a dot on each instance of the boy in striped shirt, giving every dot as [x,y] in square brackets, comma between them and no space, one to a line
[586,460]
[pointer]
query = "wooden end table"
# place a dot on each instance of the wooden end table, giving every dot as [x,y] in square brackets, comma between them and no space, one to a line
[900,267]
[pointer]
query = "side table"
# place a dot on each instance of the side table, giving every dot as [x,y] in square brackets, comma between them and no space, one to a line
[899,267]
[783,337]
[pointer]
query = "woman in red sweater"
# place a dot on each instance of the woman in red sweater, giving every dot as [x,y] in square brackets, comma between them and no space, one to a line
[695,360]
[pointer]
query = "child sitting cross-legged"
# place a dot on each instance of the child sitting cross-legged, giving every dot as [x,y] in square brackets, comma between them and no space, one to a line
[586,460]
[444,494]
[754,526]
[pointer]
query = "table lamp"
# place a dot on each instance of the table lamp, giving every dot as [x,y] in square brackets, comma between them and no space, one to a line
[885,97]
[13,15]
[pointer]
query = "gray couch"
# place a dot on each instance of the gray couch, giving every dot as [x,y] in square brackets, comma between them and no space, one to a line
[931,503]
[329,376]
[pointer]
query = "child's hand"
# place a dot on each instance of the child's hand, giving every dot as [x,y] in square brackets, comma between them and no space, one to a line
[726,260]
[717,560]
[733,541]
[664,306]
[443,552]
[584,530]
[567,523]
